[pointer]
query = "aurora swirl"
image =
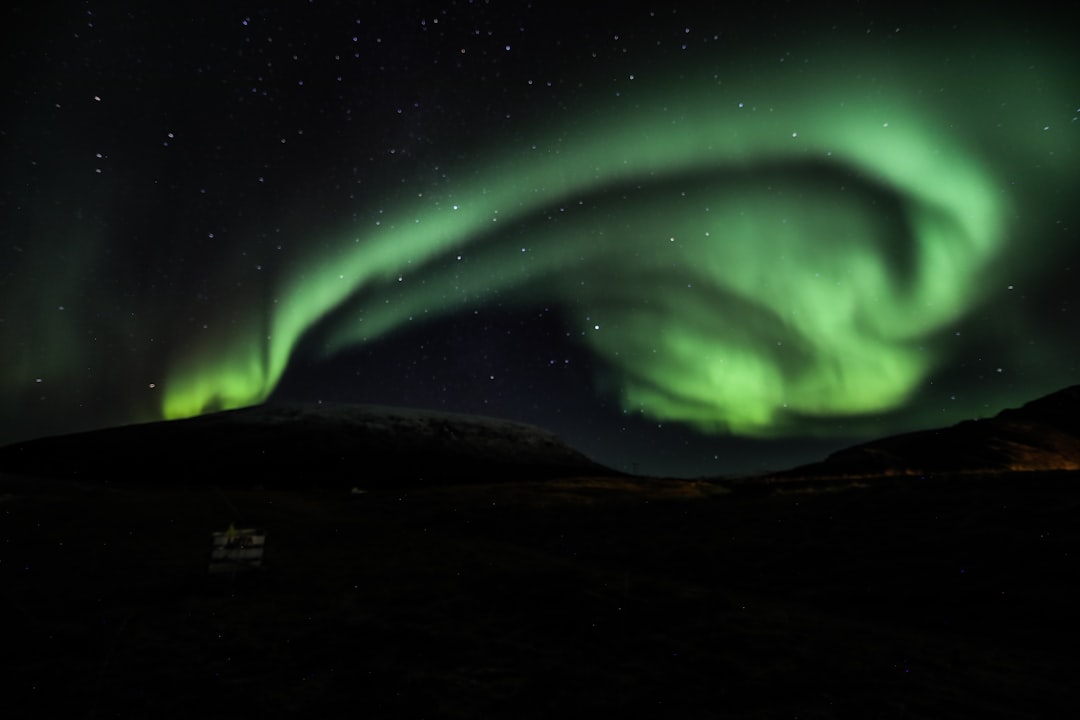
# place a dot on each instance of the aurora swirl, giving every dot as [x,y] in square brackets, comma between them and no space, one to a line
[746,253]
[681,238]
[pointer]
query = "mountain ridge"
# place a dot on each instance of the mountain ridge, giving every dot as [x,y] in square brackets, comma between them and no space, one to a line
[295,444]
[302,445]
[1040,435]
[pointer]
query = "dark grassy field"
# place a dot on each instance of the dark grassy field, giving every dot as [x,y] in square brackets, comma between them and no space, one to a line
[895,598]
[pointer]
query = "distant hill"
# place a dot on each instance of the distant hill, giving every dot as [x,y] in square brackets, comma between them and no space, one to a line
[306,445]
[1043,434]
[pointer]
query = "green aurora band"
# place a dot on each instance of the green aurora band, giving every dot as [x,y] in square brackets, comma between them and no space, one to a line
[744,252]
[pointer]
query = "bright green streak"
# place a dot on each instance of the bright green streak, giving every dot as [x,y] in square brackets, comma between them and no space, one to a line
[717,293]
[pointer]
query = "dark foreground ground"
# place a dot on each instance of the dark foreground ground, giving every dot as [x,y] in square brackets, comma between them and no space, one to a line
[916,598]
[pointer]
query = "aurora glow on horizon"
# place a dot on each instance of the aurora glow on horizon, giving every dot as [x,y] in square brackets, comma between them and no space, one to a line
[690,238]
[748,228]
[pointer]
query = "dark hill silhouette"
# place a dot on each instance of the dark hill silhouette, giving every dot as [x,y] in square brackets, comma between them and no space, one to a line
[524,596]
[367,445]
[1042,435]
[306,445]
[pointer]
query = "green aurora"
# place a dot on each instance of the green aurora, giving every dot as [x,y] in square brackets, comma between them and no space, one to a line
[744,252]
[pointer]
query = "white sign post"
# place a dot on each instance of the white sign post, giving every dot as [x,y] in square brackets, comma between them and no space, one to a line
[236,551]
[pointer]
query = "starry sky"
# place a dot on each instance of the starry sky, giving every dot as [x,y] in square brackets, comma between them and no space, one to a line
[691,241]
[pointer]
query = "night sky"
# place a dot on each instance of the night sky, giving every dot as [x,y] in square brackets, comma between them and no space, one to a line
[692,241]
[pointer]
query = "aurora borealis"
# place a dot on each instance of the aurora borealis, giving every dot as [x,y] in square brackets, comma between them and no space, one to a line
[744,227]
